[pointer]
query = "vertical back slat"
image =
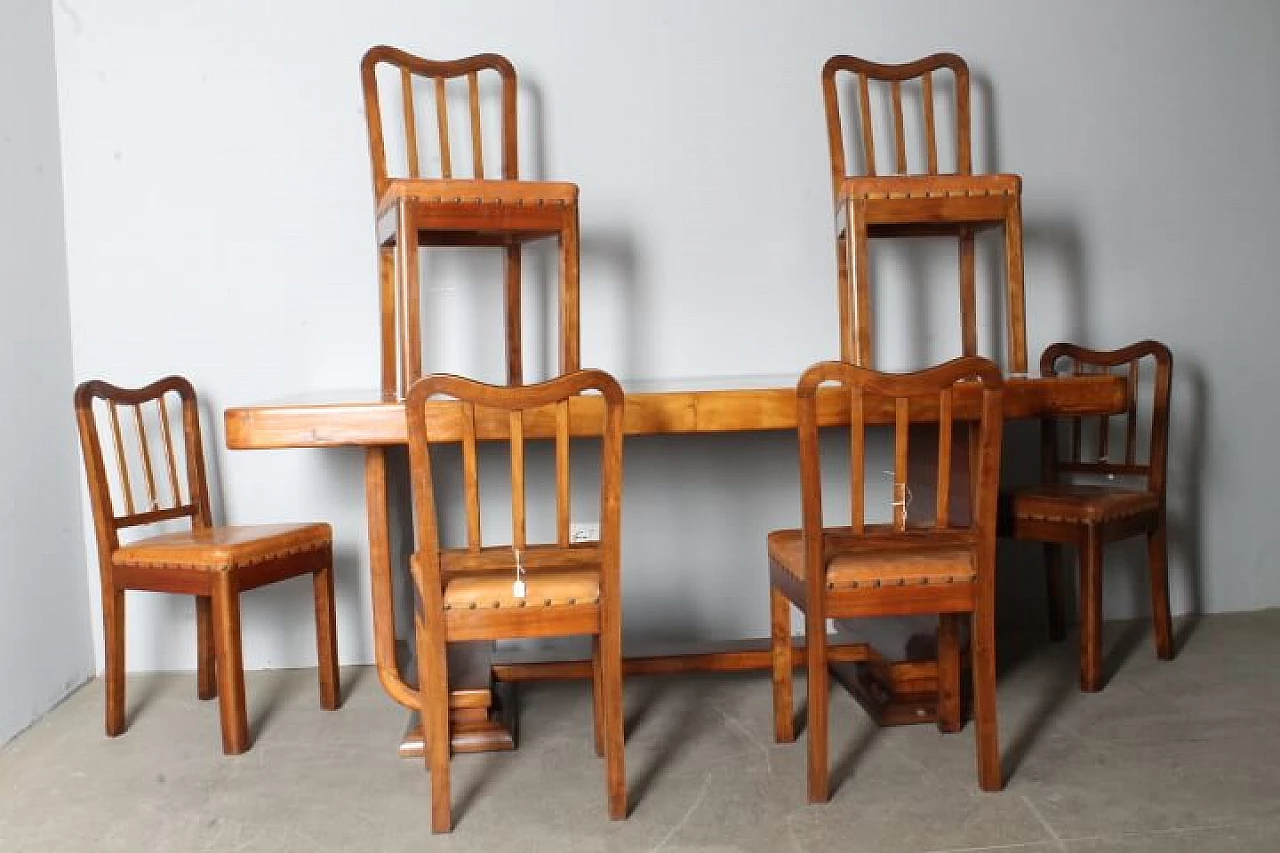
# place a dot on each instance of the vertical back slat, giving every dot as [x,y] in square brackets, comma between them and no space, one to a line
[1104,430]
[1131,420]
[930,131]
[170,458]
[964,150]
[477,141]
[899,128]
[470,475]
[901,447]
[1076,427]
[410,122]
[144,446]
[442,125]
[122,464]
[857,461]
[868,131]
[562,473]
[944,458]
[518,525]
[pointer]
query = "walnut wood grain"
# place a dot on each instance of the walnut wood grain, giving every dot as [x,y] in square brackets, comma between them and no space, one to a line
[907,202]
[451,208]
[369,419]
[1105,509]
[131,441]
[376,422]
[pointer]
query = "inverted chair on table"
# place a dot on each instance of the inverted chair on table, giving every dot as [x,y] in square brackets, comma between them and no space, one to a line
[454,196]
[914,195]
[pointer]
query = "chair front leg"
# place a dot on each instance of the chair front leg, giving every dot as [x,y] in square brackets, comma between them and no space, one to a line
[326,637]
[230,666]
[206,670]
[113,636]
[1091,611]
[433,691]
[1158,563]
[784,727]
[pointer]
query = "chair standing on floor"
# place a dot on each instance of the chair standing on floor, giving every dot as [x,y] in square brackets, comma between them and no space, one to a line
[916,200]
[896,568]
[462,205]
[528,588]
[1063,510]
[159,476]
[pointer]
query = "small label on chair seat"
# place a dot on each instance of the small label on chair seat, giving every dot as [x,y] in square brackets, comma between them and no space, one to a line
[517,589]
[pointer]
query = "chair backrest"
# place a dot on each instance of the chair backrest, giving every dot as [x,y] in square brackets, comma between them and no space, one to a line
[912,82]
[905,400]
[554,411]
[414,75]
[142,455]
[1134,444]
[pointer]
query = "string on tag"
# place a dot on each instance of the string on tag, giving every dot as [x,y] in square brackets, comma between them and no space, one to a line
[518,588]
[901,497]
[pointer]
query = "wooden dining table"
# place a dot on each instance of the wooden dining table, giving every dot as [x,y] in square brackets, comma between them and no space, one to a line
[894,691]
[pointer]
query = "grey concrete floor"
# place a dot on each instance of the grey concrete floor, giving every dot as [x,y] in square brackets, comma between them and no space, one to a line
[1171,756]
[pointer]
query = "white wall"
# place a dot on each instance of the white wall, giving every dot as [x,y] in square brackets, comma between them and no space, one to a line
[44,614]
[218,224]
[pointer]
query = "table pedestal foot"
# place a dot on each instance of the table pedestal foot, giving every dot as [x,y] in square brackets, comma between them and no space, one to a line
[892,693]
[479,721]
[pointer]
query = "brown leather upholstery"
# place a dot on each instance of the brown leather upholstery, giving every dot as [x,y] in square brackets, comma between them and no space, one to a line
[871,564]
[218,548]
[1082,504]
[529,194]
[930,186]
[542,589]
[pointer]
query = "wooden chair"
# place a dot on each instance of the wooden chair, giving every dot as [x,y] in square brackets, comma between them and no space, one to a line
[906,566]
[915,200]
[158,476]
[461,205]
[468,593]
[1089,514]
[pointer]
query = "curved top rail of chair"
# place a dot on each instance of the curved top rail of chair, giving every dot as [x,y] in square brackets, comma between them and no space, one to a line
[899,71]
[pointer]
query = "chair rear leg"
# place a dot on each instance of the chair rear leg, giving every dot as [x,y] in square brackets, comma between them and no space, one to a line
[844,296]
[326,638]
[1091,611]
[512,315]
[206,670]
[433,681]
[570,332]
[113,636]
[1054,598]
[230,667]
[784,725]
[950,713]
[816,646]
[983,653]
[1158,561]
[597,696]
[614,737]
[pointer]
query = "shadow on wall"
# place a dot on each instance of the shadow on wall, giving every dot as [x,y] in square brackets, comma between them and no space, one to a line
[1189,432]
